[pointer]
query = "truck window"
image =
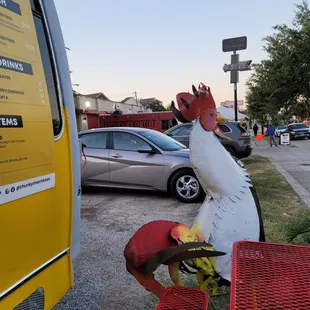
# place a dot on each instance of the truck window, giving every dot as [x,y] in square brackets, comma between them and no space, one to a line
[166,124]
[49,70]
[225,128]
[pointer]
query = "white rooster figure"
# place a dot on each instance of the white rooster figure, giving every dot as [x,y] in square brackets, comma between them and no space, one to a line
[231,210]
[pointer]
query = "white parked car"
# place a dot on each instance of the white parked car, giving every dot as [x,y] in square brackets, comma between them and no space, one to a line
[280,130]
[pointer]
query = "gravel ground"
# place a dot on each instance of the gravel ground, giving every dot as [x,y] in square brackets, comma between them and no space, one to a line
[109,219]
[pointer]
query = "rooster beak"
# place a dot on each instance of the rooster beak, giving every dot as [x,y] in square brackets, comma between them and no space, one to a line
[220,121]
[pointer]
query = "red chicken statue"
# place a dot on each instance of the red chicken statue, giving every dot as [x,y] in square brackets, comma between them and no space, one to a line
[168,243]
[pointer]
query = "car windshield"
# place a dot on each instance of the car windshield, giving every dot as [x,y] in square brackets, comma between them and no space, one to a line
[162,141]
[299,126]
[282,127]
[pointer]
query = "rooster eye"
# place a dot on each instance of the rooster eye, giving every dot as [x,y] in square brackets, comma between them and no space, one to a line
[212,115]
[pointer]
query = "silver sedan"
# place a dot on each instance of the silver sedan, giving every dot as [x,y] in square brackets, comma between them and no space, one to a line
[139,158]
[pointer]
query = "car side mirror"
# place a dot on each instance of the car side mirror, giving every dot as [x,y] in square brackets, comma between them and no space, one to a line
[146,149]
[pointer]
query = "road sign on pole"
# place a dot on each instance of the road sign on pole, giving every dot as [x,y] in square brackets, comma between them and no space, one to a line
[239,66]
[234,44]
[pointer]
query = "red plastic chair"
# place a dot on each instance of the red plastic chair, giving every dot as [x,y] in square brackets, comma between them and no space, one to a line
[183,298]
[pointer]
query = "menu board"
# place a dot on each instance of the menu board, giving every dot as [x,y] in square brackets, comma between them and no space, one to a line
[26,132]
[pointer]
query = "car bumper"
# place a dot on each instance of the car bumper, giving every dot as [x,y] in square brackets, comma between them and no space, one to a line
[245,152]
[300,136]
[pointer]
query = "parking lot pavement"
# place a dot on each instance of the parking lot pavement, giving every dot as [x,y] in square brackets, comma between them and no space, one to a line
[109,219]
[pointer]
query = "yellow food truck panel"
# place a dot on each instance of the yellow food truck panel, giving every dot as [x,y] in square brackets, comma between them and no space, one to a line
[39,164]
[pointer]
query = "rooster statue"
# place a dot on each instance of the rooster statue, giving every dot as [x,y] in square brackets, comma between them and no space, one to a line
[230,212]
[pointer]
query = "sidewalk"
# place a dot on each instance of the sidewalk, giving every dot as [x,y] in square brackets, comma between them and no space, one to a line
[293,162]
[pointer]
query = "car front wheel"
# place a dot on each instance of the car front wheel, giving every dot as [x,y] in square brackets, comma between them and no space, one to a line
[185,187]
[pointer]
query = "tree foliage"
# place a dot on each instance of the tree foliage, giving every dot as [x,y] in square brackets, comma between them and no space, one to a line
[156,106]
[281,82]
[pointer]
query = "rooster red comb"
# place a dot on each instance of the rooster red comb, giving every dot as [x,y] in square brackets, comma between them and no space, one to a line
[199,105]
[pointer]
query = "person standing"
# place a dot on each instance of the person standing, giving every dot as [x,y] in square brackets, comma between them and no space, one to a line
[271,133]
[255,129]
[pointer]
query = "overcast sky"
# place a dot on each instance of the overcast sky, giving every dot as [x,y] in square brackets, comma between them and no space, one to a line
[161,47]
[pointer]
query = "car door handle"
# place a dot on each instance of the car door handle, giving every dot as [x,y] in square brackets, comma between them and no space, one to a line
[116,156]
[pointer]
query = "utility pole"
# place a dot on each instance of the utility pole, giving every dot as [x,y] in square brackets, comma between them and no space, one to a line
[234,78]
[136,97]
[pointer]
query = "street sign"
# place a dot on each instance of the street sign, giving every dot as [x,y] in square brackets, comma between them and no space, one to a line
[230,104]
[240,66]
[234,44]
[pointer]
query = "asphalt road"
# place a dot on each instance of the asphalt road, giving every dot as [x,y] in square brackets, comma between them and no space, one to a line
[304,144]
[109,218]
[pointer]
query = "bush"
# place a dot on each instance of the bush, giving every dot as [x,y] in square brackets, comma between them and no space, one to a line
[298,231]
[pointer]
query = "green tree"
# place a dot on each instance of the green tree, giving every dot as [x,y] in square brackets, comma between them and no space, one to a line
[280,83]
[156,106]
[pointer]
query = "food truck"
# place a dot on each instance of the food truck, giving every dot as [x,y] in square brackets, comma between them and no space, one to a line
[39,158]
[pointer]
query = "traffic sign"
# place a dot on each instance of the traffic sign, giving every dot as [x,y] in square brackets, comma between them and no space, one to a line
[234,44]
[240,66]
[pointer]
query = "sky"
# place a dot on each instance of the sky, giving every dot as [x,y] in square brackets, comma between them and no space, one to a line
[159,48]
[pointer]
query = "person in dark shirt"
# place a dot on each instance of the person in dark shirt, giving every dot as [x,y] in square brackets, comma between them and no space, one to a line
[255,129]
[271,133]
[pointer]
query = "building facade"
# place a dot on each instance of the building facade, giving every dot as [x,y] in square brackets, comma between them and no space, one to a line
[89,108]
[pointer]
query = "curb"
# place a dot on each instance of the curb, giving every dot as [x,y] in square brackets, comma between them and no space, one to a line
[303,195]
